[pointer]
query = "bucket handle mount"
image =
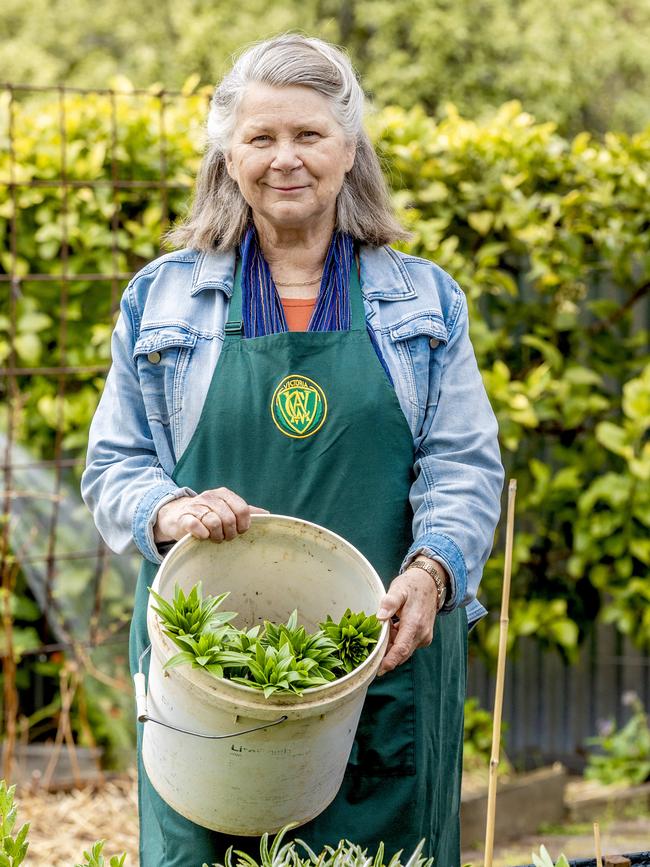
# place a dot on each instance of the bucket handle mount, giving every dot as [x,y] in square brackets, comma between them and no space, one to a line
[143,716]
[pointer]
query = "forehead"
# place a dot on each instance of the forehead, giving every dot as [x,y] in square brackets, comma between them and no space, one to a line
[268,105]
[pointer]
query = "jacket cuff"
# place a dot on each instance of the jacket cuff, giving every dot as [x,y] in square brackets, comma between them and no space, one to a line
[146,513]
[442,548]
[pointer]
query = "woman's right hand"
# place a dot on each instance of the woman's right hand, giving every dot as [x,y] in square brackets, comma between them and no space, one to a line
[218,514]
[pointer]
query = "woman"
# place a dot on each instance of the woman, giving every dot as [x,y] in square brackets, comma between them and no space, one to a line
[288,360]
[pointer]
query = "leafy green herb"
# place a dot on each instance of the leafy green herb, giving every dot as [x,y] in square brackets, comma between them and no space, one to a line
[12,849]
[317,647]
[276,658]
[544,859]
[354,636]
[207,652]
[271,670]
[95,858]
[191,615]
[345,854]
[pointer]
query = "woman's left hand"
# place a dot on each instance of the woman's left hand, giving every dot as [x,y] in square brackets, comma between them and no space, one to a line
[413,598]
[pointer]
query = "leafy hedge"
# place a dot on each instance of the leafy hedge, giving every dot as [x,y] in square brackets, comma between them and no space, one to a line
[548,237]
[551,241]
[583,63]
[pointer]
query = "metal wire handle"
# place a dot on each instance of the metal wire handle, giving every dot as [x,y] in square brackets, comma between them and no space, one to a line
[143,716]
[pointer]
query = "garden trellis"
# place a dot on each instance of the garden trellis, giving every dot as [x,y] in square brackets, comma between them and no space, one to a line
[47,535]
[39,544]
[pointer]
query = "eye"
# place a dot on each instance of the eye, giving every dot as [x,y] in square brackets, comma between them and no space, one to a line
[260,139]
[310,134]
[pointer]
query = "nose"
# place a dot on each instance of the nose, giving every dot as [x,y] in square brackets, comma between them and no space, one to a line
[286,157]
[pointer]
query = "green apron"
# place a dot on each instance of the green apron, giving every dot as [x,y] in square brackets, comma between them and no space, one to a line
[307,424]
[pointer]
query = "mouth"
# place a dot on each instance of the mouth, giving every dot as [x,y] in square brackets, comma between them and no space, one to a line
[288,189]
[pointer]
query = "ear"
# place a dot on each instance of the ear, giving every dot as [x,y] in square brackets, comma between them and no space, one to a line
[230,168]
[350,154]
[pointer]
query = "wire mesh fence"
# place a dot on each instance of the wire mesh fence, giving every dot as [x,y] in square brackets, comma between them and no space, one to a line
[76,224]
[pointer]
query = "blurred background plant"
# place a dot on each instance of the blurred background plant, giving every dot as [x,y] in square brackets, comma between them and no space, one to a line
[477,747]
[584,64]
[623,754]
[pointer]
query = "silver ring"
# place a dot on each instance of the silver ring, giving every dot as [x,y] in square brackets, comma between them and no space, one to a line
[198,517]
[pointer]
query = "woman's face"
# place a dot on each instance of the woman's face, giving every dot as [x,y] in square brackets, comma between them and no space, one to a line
[289,156]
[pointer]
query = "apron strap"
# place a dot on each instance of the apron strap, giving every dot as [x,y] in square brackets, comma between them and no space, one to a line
[235,325]
[357,310]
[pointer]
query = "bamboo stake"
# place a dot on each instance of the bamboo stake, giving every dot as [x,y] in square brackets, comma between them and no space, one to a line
[599,853]
[501,674]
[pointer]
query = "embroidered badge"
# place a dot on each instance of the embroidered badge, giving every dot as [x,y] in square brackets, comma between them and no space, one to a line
[298,406]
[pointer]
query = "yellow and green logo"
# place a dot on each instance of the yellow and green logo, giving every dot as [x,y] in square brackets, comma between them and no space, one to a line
[299,406]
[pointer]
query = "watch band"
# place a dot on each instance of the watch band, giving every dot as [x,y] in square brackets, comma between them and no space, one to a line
[433,570]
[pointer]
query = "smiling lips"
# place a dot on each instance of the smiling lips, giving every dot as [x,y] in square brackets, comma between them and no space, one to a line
[292,189]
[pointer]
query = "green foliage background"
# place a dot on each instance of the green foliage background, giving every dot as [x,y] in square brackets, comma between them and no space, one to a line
[582,63]
[548,236]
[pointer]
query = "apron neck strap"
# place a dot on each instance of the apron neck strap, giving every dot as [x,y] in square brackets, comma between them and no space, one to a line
[235,324]
[357,311]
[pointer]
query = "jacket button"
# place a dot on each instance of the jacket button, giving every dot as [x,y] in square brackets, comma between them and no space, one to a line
[433,343]
[153,357]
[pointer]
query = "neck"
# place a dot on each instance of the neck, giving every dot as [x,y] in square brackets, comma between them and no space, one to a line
[294,252]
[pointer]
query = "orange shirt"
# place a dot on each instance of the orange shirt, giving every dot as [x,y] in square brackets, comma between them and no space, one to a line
[297,312]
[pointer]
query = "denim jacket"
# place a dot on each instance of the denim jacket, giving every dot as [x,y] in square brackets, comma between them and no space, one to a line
[165,347]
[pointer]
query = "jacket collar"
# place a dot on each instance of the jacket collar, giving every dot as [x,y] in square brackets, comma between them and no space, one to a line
[383,274]
[214,271]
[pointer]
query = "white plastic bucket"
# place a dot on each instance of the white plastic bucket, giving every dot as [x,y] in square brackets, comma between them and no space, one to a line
[290,769]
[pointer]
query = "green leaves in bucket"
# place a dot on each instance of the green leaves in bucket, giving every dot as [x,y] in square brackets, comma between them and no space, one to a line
[354,636]
[191,615]
[278,658]
[207,652]
[196,626]
[316,647]
[288,659]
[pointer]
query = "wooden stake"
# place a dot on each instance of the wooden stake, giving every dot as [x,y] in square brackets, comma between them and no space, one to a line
[599,853]
[501,674]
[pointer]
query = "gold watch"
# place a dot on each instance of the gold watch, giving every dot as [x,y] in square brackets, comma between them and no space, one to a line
[435,573]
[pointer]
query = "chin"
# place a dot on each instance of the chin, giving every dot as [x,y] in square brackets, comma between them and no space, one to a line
[291,218]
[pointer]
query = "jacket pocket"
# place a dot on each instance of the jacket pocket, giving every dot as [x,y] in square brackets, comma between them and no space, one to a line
[385,741]
[419,341]
[161,356]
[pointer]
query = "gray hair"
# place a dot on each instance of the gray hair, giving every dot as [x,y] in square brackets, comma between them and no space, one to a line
[219,214]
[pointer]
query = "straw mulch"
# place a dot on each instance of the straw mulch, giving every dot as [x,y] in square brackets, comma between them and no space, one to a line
[64,824]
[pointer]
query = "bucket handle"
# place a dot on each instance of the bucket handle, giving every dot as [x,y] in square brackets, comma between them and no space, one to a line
[143,716]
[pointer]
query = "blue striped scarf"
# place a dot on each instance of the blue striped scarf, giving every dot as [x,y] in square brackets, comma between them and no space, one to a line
[262,309]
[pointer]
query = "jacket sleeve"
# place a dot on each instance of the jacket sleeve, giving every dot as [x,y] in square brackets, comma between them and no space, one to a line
[124,484]
[456,493]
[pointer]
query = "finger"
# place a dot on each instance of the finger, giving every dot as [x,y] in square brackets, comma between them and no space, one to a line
[190,523]
[236,504]
[222,522]
[392,635]
[391,603]
[404,646]
[258,510]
